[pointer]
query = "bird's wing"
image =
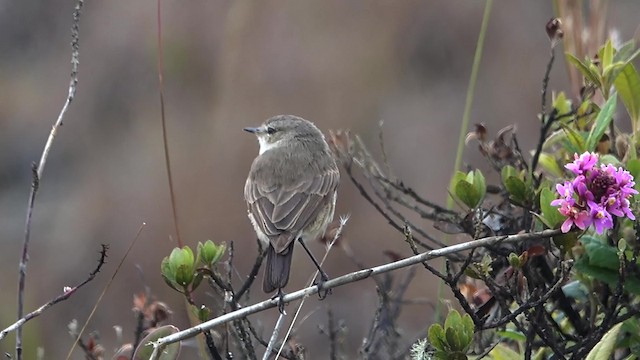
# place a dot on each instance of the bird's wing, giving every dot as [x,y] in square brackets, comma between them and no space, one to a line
[283,211]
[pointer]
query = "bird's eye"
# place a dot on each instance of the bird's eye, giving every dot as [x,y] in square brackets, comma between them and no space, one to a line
[271,130]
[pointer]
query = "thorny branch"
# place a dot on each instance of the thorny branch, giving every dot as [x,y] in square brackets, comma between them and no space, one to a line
[64,296]
[38,170]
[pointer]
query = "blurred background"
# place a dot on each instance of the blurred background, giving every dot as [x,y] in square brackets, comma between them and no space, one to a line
[229,65]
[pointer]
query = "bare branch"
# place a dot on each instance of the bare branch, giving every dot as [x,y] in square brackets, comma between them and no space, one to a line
[39,170]
[64,296]
[346,279]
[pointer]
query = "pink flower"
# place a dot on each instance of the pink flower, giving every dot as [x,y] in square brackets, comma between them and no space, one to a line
[574,216]
[594,195]
[582,163]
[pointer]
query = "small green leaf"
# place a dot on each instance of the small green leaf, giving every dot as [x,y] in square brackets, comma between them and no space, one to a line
[437,338]
[602,122]
[480,183]
[516,188]
[455,179]
[550,164]
[453,338]
[585,69]
[467,193]
[512,335]
[610,159]
[604,348]
[608,276]
[210,252]
[606,54]
[600,254]
[633,166]
[453,320]
[506,172]
[502,352]
[566,242]
[562,104]
[626,52]
[576,140]
[145,349]
[550,213]
[628,86]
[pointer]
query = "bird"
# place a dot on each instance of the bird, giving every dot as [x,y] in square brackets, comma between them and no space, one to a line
[291,193]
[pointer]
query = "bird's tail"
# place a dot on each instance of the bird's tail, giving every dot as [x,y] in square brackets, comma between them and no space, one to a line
[276,273]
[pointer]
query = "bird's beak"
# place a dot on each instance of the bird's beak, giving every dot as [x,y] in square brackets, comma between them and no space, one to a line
[253,130]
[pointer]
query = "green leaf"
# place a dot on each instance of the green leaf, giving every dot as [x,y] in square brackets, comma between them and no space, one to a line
[613,72]
[633,166]
[437,338]
[145,349]
[453,338]
[628,86]
[467,331]
[608,276]
[550,164]
[585,69]
[626,52]
[606,54]
[480,183]
[467,193]
[562,104]
[602,122]
[516,188]
[550,213]
[512,335]
[610,159]
[604,348]
[506,172]
[210,252]
[455,179]
[566,242]
[600,254]
[502,352]
[577,141]
[453,320]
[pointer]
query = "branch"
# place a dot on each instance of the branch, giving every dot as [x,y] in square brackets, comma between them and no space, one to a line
[39,170]
[64,296]
[346,279]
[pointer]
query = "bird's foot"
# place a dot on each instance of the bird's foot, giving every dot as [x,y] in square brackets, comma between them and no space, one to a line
[322,292]
[280,296]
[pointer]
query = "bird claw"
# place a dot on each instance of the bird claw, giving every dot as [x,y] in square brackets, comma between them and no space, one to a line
[322,292]
[280,296]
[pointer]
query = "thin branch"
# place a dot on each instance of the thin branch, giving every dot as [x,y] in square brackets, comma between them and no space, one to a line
[64,296]
[346,279]
[545,81]
[39,170]
[104,291]
[165,141]
[253,273]
[274,337]
[343,222]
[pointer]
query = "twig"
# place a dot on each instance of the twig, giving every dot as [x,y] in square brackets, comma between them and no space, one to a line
[346,279]
[64,296]
[545,81]
[274,338]
[104,291]
[39,170]
[253,273]
[343,222]
[213,351]
[165,141]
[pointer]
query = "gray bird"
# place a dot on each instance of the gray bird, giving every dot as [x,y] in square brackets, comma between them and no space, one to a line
[290,192]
